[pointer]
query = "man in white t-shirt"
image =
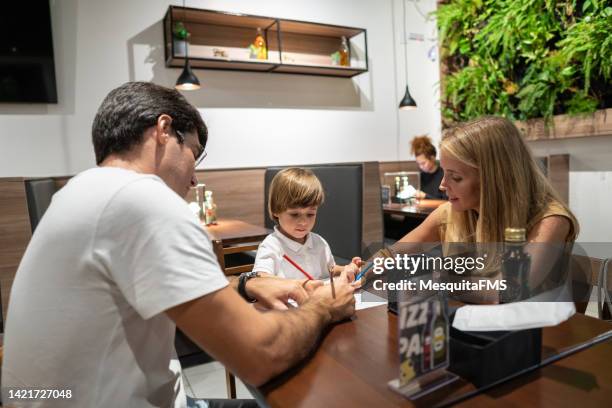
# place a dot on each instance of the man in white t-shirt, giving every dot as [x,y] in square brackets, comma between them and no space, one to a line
[118,261]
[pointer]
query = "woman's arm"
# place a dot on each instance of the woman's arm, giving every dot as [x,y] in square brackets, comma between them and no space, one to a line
[545,244]
[428,231]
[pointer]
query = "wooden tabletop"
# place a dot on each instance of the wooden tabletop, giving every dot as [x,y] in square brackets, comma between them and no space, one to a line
[421,209]
[357,358]
[235,231]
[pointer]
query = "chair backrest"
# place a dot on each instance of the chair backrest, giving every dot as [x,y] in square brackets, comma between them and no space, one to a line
[604,290]
[39,194]
[339,220]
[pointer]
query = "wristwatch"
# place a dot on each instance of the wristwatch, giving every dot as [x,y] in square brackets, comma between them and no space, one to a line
[242,280]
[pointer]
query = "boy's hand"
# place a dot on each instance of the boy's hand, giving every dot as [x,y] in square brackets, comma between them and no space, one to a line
[351,270]
[357,261]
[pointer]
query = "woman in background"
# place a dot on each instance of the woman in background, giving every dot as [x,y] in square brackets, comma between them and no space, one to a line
[431,172]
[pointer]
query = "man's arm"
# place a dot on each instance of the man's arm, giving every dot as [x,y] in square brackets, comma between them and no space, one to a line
[257,346]
[274,292]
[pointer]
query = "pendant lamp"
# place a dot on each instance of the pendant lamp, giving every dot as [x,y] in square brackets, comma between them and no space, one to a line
[187,81]
[407,102]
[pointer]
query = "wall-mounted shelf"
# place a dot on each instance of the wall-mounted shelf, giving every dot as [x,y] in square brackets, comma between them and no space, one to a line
[220,40]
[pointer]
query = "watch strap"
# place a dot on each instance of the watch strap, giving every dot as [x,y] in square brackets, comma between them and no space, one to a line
[242,280]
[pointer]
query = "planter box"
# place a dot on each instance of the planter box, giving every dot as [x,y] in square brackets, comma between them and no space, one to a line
[566,126]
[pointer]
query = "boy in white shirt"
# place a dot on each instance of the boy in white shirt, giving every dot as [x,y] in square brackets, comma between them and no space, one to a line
[292,250]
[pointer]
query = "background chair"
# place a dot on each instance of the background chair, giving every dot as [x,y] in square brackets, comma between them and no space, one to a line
[604,284]
[39,194]
[339,219]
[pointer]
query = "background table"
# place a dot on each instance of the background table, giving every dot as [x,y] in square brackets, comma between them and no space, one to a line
[234,236]
[357,358]
[400,219]
[421,209]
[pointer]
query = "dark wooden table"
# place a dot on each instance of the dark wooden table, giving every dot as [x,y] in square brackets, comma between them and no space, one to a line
[420,210]
[233,236]
[235,231]
[357,358]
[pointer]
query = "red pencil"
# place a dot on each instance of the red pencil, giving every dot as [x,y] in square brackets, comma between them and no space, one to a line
[298,267]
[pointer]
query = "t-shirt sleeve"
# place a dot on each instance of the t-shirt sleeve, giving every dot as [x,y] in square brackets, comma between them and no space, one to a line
[268,257]
[154,250]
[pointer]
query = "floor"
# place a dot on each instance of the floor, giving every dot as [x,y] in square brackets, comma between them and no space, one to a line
[208,381]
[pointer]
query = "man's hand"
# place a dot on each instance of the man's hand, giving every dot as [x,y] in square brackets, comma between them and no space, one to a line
[343,306]
[274,293]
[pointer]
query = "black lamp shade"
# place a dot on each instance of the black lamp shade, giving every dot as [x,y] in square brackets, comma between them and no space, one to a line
[187,81]
[407,103]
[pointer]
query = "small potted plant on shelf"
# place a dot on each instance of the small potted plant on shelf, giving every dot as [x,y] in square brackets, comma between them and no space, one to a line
[179,37]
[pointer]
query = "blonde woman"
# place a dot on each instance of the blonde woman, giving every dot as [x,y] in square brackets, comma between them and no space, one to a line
[493,183]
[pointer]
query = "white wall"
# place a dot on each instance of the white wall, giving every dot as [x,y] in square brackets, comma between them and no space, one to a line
[590,185]
[254,119]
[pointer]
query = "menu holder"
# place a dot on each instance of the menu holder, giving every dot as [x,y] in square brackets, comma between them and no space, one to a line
[423,346]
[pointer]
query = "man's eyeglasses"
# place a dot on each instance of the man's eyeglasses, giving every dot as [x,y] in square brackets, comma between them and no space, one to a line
[199,156]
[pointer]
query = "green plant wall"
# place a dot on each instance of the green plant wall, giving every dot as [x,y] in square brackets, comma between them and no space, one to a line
[525,58]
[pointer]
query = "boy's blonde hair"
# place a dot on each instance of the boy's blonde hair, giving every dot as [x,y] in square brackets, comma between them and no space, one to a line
[294,188]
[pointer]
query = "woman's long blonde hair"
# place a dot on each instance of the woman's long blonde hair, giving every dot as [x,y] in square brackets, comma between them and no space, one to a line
[513,189]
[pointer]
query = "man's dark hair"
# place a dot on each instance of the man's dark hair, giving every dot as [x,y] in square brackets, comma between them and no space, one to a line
[129,110]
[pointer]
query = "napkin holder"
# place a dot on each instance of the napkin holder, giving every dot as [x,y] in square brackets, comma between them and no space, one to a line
[486,357]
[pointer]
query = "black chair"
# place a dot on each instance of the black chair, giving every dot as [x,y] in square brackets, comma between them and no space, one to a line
[340,218]
[39,194]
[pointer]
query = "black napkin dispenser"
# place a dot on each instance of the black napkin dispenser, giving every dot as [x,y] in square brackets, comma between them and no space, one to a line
[486,357]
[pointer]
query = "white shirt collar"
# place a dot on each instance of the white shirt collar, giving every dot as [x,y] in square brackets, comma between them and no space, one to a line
[291,244]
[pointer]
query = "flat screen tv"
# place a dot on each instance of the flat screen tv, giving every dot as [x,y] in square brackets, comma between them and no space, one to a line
[27,67]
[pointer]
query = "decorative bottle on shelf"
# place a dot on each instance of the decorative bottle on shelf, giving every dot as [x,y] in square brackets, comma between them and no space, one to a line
[516,264]
[259,50]
[344,53]
[210,209]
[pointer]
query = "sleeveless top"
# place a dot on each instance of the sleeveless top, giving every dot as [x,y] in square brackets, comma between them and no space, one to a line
[553,208]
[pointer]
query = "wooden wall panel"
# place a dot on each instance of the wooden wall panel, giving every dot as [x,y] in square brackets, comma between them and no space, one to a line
[372,222]
[567,126]
[15,233]
[238,193]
